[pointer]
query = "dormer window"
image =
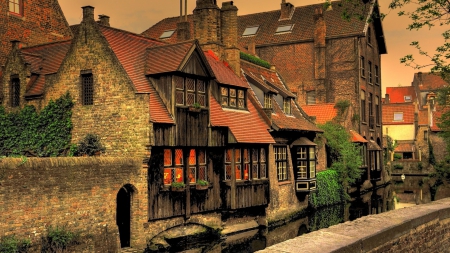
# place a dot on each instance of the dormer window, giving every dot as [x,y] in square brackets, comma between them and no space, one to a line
[167,34]
[407,98]
[398,116]
[232,97]
[250,30]
[284,28]
[15,6]
[287,105]
[190,91]
[15,91]
[268,101]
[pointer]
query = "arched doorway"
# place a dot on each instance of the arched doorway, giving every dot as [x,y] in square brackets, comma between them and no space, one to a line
[123,215]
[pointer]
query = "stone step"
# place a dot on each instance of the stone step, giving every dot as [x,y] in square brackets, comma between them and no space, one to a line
[130,250]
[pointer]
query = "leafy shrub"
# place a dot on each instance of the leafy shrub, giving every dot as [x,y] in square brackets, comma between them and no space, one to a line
[329,190]
[397,157]
[398,166]
[326,217]
[177,185]
[10,244]
[43,134]
[90,145]
[254,60]
[58,239]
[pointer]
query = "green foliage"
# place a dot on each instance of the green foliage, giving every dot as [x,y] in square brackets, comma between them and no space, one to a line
[329,190]
[397,157]
[254,60]
[178,185]
[10,244]
[43,134]
[90,145]
[398,166]
[202,182]
[326,217]
[420,166]
[342,106]
[346,155]
[58,239]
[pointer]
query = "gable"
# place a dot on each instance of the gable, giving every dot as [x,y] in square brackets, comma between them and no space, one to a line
[195,66]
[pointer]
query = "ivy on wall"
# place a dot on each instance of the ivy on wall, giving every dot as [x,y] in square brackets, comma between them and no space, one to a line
[329,190]
[43,134]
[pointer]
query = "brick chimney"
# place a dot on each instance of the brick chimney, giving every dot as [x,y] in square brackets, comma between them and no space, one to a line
[320,31]
[183,26]
[229,34]
[207,25]
[287,9]
[252,47]
[103,20]
[386,99]
[88,13]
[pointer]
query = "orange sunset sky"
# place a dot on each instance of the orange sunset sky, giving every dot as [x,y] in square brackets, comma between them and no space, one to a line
[138,15]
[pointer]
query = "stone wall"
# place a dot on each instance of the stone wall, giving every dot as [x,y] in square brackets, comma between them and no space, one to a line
[78,193]
[422,228]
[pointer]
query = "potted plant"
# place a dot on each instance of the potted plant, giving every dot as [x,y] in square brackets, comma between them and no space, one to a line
[195,107]
[177,187]
[202,185]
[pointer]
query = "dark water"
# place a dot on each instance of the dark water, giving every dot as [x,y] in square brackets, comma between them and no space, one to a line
[378,201]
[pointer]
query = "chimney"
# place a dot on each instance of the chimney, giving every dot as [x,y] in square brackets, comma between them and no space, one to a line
[183,26]
[229,34]
[88,13]
[287,9]
[252,47]
[419,76]
[103,20]
[320,31]
[386,99]
[15,44]
[207,25]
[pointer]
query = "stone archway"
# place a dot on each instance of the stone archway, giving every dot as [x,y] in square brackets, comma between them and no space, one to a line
[123,214]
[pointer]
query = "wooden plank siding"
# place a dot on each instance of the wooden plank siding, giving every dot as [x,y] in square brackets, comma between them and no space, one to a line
[191,128]
[248,194]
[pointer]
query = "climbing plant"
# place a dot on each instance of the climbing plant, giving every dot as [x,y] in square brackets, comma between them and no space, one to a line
[329,190]
[345,155]
[30,133]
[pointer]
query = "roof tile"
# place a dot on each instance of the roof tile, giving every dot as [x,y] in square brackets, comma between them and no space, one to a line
[322,112]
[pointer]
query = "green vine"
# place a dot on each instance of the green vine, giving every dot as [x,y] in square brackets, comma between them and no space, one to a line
[43,134]
[58,239]
[341,106]
[11,244]
[329,190]
[254,60]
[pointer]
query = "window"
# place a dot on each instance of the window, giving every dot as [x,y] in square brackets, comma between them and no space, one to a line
[249,163]
[425,135]
[287,106]
[284,28]
[311,97]
[232,97]
[369,35]
[362,66]
[377,75]
[364,155]
[370,71]
[87,89]
[398,116]
[268,100]
[175,165]
[15,91]
[363,106]
[305,162]
[281,163]
[15,6]
[377,110]
[190,91]
[407,98]
[167,34]
[250,30]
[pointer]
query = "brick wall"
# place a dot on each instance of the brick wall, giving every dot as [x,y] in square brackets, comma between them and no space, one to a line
[79,193]
[41,21]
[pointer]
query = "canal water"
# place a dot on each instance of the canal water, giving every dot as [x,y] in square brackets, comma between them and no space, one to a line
[410,191]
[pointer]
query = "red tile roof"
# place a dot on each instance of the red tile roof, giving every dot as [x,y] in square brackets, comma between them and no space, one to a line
[429,81]
[423,117]
[130,50]
[406,108]
[404,147]
[397,94]
[167,24]
[355,137]
[246,126]
[173,55]
[224,74]
[322,112]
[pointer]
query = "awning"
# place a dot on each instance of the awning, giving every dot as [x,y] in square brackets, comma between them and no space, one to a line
[355,137]
[372,145]
[302,141]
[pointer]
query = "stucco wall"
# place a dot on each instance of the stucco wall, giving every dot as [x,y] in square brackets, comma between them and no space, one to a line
[400,132]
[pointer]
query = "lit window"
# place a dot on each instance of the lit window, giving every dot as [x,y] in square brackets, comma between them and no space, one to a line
[268,100]
[398,116]
[287,106]
[232,97]
[284,28]
[167,34]
[281,163]
[190,91]
[87,89]
[174,166]
[249,163]
[15,91]
[250,30]
[407,98]
[15,6]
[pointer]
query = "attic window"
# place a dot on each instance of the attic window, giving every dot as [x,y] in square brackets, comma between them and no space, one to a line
[232,98]
[407,98]
[166,34]
[250,30]
[398,116]
[284,28]
[287,106]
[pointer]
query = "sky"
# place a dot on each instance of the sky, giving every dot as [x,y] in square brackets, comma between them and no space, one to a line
[138,15]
